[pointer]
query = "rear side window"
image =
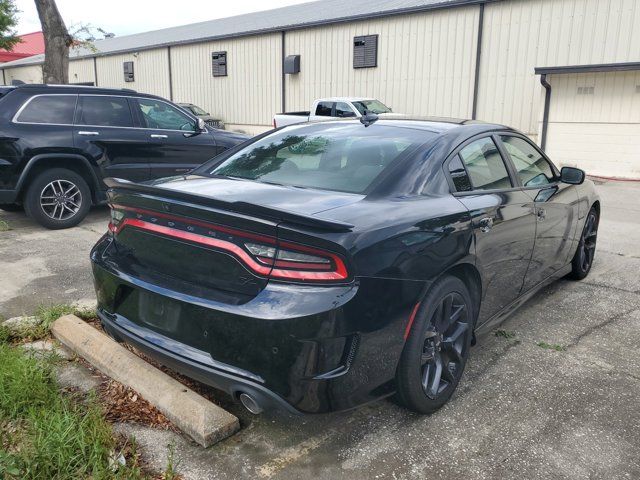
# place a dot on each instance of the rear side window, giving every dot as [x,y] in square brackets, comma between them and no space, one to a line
[324,109]
[459,175]
[532,168]
[344,158]
[485,165]
[104,112]
[54,109]
[343,110]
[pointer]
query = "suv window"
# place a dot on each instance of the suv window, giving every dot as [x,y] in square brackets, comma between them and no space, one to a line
[54,109]
[161,115]
[324,109]
[485,165]
[532,168]
[343,110]
[104,111]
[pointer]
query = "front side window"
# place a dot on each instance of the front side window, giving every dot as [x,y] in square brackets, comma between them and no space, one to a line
[343,110]
[531,167]
[345,158]
[161,115]
[371,106]
[485,165]
[54,109]
[324,109]
[104,112]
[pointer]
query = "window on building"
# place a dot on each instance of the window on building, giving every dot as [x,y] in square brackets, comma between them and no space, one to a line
[459,175]
[161,115]
[532,168]
[128,71]
[219,64]
[104,112]
[485,165]
[324,109]
[54,109]
[365,51]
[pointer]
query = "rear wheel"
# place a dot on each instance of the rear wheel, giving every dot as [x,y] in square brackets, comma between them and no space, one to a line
[437,349]
[58,198]
[586,251]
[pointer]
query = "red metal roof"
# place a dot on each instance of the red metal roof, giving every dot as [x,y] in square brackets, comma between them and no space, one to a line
[32,44]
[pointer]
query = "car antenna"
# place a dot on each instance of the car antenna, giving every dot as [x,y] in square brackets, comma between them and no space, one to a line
[368,118]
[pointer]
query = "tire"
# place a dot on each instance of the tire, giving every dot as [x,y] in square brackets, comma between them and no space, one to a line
[11,207]
[58,198]
[585,253]
[442,329]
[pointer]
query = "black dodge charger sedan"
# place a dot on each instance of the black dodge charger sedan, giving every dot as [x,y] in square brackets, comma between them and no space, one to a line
[322,266]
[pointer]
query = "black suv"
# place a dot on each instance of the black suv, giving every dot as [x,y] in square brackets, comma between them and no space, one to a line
[57,143]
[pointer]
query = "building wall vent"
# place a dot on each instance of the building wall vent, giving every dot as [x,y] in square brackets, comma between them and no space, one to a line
[128,71]
[365,51]
[292,64]
[586,90]
[219,64]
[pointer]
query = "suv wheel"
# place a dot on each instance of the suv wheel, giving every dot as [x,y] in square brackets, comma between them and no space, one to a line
[58,198]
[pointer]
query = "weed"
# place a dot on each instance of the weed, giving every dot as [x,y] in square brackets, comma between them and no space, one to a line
[505,334]
[550,346]
[4,227]
[170,472]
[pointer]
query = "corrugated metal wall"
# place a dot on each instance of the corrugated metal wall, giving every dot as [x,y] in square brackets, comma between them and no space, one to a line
[520,35]
[81,71]
[425,66]
[248,95]
[30,74]
[426,62]
[151,71]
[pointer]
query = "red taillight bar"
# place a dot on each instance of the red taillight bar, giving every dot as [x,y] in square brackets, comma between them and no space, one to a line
[340,272]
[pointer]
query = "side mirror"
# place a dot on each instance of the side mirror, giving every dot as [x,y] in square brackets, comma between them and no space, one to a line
[200,125]
[571,175]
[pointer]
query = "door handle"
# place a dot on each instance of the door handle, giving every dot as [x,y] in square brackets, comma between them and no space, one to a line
[159,136]
[485,224]
[88,134]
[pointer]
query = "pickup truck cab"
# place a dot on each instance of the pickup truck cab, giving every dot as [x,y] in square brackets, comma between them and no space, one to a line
[325,109]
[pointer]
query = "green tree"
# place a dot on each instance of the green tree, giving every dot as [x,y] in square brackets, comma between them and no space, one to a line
[8,20]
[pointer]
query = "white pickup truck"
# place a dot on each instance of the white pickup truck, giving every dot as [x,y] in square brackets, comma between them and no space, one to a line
[325,109]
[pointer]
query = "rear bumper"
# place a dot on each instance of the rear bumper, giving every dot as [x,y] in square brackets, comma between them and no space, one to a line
[8,196]
[300,348]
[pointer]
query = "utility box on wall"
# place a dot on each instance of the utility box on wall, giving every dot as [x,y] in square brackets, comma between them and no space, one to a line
[128,71]
[292,64]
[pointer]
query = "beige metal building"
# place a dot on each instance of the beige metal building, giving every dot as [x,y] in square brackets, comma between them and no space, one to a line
[565,72]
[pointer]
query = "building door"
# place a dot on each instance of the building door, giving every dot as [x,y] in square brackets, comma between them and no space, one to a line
[594,122]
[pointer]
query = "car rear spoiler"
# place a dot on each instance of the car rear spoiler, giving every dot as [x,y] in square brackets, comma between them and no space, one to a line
[244,208]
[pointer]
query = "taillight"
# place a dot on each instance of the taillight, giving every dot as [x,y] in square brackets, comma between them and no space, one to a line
[299,262]
[262,254]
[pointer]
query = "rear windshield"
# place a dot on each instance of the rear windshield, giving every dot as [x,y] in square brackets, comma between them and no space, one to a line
[344,157]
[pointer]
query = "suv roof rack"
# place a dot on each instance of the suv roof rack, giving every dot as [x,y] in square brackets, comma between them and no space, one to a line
[45,85]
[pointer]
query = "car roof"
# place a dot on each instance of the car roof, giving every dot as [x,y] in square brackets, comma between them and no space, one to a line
[344,99]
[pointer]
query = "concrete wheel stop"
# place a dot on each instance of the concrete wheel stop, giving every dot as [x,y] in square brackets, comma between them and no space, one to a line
[205,422]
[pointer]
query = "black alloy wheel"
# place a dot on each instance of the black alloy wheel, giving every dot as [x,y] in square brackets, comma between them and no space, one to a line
[586,251]
[437,349]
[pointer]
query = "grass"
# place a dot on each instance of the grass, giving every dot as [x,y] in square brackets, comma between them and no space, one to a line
[4,227]
[46,316]
[48,434]
[551,346]
[505,334]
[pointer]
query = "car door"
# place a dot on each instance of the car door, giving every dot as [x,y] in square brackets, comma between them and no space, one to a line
[502,217]
[175,145]
[555,203]
[104,129]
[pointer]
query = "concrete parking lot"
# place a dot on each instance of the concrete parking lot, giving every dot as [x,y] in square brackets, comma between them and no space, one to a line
[522,411]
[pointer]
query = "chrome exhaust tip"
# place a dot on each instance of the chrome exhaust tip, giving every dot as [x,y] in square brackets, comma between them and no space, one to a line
[250,403]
